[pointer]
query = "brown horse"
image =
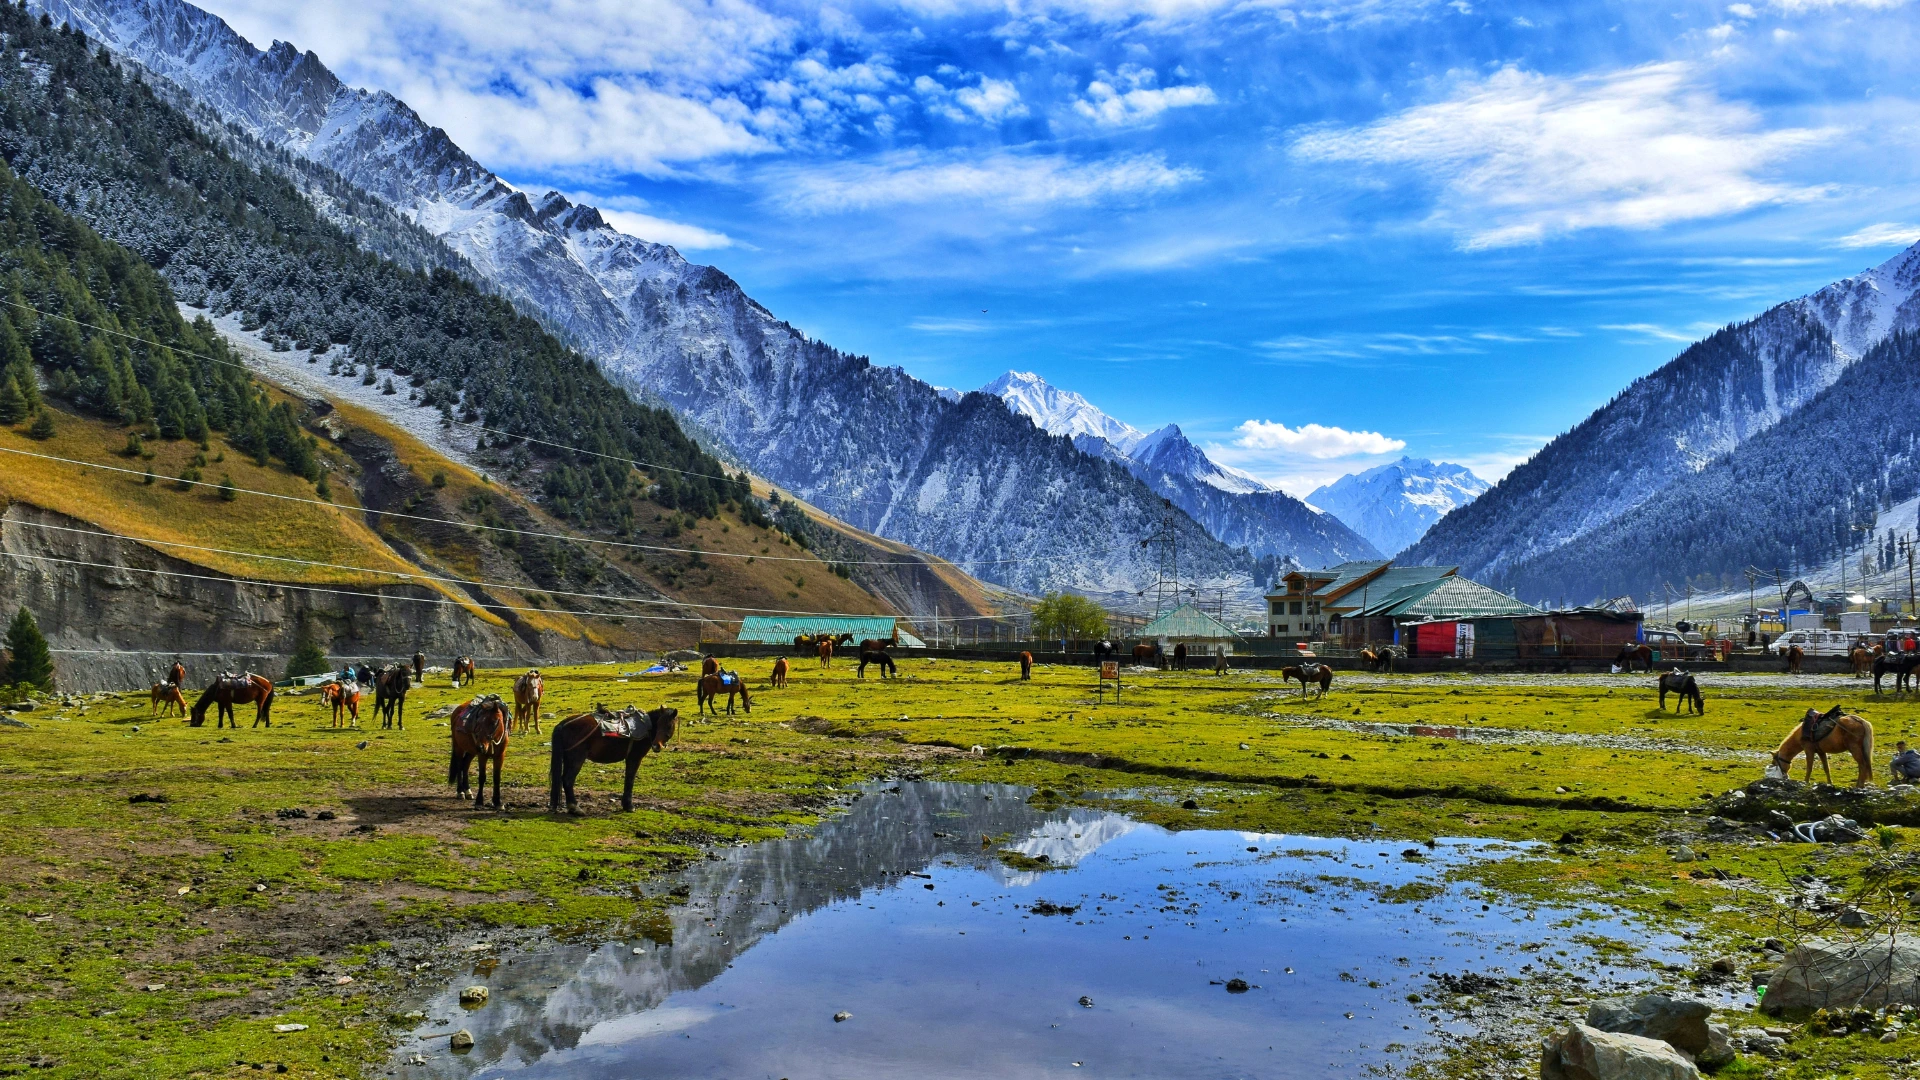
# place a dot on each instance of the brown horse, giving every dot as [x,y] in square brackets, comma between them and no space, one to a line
[709,666]
[1306,673]
[1683,684]
[1026,667]
[707,694]
[480,728]
[463,670]
[780,674]
[1795,654]
[826,652]
[1632,656]
[1377,660]
[390,696]
[605,738]
[1823,734]
[166,699]
[229,690]
[1863,658]
[345,699]
[420,668]
[528,689]
[177,674]
[1147,654]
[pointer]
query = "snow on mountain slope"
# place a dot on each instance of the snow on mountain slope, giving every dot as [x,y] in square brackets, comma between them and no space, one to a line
[1393,505]
[881,450]
[1233,506]
[1061,412]
[1705,403]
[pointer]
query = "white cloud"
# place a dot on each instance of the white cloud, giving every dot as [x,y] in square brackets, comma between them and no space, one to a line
[1885,234]
[991,101]
[661,231]
[1001,178]
[1131,96]
[1655,332]
[1794,7]
[1740,11]
[1313,440]
[1520,156]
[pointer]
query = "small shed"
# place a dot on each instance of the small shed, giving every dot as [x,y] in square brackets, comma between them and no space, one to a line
[782,629]
[1588,633]
[1189,625]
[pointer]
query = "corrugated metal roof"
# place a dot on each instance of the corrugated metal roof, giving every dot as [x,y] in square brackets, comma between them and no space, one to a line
[1393,580]
[1346,574]
[1188,623]
[1447,598]
[782,629]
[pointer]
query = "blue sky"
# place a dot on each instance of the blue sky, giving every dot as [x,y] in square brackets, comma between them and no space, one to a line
[1315,234]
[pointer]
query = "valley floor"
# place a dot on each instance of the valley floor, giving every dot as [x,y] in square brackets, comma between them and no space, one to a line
[171,894]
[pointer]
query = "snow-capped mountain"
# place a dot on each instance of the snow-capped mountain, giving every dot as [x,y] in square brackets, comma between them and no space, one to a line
[1234,507]
[1705,403]
[956,475]
[1394,504]
[1061,412]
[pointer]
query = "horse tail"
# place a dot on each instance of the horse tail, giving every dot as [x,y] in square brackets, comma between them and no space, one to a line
[1866,740]
[453,768]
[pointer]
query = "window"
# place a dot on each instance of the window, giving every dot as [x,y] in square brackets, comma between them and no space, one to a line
[1296,608]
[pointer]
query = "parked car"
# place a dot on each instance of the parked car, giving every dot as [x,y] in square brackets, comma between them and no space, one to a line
[1814,642]
[1673,645]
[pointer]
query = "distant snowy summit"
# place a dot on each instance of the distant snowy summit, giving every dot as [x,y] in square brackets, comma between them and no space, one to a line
[1236,508]
[1395,504]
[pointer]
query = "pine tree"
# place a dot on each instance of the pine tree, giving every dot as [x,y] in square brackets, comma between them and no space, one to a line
[307,659]
[30,662]
[42,425]
[227,492]
[13,404]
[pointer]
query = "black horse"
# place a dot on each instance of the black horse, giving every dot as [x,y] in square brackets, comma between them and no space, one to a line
[1104,650]
[390,695]
[1683,684]
[1901,665]
[880,658]
[605,737]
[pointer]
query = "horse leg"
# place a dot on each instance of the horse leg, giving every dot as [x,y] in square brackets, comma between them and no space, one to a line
[1824,767]
[480,789]
[570,771]
[499,766]
[635,755]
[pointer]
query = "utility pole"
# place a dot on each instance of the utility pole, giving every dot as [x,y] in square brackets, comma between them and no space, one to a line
[1164,545]
[1752,615]
[1906,544]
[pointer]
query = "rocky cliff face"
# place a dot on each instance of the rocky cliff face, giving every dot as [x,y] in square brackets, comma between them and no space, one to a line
[104,601]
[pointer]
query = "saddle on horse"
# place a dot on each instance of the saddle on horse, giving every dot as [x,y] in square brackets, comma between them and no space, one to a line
[470,721]
[1817,726]
[628,723]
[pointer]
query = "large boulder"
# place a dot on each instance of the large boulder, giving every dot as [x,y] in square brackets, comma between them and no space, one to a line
[1870,973]
[1584,1053]
[1679,1022]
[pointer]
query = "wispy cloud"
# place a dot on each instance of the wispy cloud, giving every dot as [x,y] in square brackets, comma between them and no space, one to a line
[1520,156]
[1313,440]
[1132,96]
[1004,178]
[950,326]
[1650,331]
[1885,234]
[629,215]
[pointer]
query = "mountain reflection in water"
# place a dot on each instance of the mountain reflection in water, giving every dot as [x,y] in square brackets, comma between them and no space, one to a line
[952,975]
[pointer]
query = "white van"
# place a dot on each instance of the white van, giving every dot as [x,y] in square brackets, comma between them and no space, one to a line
[1814,642]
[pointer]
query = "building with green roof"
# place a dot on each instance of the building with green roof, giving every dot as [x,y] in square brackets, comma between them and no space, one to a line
[782,629]
[1188,624]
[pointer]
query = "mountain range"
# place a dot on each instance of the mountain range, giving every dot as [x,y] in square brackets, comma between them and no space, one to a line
[872,445]
[1395,504]
[1680,429]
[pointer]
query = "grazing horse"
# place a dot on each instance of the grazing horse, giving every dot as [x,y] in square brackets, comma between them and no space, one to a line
[780,674]
[1377,660]
[480,728]
[166,698]
[707,694]
[229,690]
[1863,658]
[1306,673]
[390,696]
[826,652]
[1632,656]
[1026,667]
[528,689]
[1900,665]
[1683,684]
[604,737]
[1795,654]
[345,699]
[420,668]
[1144,654]
[1826,733]
[177,674]
[880,657]
[463,670]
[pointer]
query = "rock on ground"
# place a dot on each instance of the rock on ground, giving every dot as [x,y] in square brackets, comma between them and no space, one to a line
[1584,1053]
[1819,974]
[1679,1022]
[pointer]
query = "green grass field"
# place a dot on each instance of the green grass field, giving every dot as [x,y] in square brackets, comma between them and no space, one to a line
[244,917]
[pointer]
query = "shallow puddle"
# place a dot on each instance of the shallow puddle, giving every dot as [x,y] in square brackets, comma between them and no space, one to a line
[949,963]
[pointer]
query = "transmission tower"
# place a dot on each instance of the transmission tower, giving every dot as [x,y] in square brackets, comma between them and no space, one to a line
[1163,546]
